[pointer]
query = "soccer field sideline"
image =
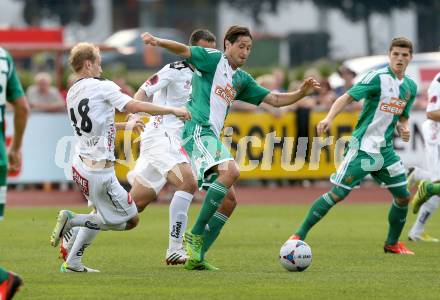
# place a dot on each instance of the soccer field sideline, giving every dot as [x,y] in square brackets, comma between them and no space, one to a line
[245,196]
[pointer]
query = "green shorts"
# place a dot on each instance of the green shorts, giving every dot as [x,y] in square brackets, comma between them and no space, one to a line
[386,168]
[205,151]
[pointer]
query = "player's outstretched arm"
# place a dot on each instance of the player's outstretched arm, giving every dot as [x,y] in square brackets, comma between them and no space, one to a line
[283,99]
[172,46]
[336,108]
[154,109]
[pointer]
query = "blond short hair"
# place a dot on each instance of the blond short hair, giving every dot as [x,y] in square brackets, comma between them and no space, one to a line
[80,53]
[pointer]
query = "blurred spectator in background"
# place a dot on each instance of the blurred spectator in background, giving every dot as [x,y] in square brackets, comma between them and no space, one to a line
[125,88]
[348,76]
[279,77]
[324,97]
[44,97]
[70,81]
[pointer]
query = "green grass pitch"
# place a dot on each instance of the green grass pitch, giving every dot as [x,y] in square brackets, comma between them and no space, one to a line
[348,260]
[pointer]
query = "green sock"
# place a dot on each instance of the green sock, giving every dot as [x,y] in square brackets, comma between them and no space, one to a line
[3,275]
[213,229]
[396,220]
[213,199]
[433,188]
[318,210]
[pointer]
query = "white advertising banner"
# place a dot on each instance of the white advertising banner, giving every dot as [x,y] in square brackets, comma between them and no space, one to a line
[48,147]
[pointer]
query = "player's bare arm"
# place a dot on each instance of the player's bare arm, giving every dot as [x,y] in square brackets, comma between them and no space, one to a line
[21,112]
[142,96]
[283,99]
[336,108]
[154,109]
[403,129]
[434,115]
[172,46]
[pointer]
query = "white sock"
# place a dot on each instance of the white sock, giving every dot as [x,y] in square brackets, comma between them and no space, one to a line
[178,218]
[69,238]
[95,222]
[421,174]
[425,212]
[83,240]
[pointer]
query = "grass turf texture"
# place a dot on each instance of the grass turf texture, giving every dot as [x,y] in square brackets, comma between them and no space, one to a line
[348,260]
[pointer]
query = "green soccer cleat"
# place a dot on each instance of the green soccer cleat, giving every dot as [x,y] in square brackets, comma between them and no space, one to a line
[199,266]
[421,196]
[61,227]
[194,245]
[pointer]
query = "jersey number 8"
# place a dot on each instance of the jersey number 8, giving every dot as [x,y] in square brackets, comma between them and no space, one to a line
[86,123]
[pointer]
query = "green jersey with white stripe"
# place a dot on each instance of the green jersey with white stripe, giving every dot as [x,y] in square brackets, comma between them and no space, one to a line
[215,85]
[386,100]
[10,90]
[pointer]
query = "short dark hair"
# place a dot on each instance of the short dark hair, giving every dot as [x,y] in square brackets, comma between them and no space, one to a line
[401,42]
[234,32]
[201,34]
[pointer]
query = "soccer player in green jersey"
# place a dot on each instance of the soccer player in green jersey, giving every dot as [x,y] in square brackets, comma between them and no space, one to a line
[217,81]
[388,95]
[11,91]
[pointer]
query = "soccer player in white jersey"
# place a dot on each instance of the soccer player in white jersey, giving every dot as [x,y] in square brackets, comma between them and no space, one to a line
[431,136]
[217,81]
[388,96]
[91,104]
[162,158]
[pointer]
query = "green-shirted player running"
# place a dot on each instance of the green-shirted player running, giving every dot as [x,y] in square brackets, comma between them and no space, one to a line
[11,91]
[217,82]
[388,96]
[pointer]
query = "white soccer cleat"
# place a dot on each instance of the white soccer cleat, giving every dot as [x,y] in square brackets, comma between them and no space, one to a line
[61,227]
[66,268]
[176,256]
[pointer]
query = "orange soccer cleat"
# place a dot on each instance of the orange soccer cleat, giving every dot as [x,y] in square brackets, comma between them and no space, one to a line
[397,248]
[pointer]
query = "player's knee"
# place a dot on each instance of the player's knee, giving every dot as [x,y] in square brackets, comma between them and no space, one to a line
[402,201]
[132,223]
[189,186]
[338,193]
[232,173]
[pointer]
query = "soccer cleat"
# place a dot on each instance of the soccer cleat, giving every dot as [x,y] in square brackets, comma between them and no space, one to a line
[194,245]
[411,180]
[397,248]
[61,227]
[199,266]
[294,237]
[65,268]
[421,196]
[10,286]
[424,237]
[176,257]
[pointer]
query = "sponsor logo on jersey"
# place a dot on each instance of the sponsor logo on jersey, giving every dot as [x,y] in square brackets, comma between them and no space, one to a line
[82,183]
[394,106]
[228,93]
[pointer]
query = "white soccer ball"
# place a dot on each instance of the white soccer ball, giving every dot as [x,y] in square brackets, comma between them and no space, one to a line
[295,255]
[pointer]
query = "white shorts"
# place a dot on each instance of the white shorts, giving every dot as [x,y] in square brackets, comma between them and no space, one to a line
[158,155]
[431,135]
[101,187]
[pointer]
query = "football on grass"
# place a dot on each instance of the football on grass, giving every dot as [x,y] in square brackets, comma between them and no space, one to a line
[295,255]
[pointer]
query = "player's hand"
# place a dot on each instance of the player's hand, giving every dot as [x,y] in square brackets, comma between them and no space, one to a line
[14,158]
[149,39]
[404,132]
[323,126]
[309,86]
[182,113]
[135,123]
